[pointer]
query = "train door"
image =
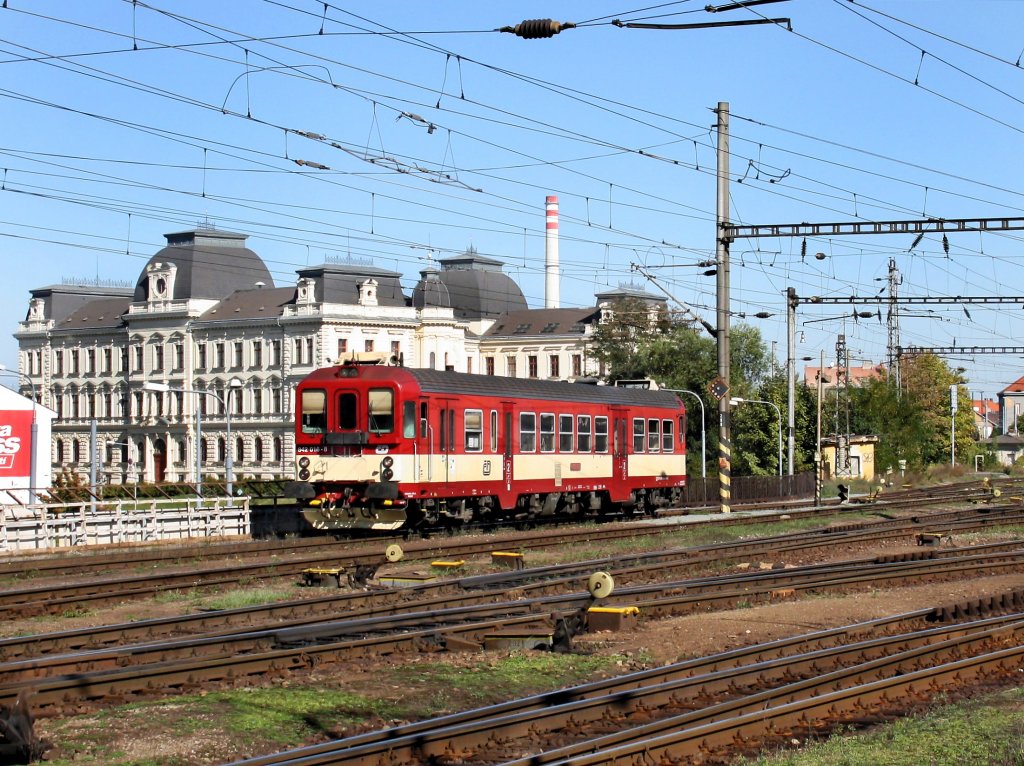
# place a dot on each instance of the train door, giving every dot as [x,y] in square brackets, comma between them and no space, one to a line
[620,442]
[446,438]
[422,439]
[507,442]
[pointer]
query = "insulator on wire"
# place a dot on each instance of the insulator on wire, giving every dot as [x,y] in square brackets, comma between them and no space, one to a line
[945,244]
[535,29]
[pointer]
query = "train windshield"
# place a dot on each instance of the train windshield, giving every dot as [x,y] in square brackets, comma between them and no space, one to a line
[314,411]
[382,411]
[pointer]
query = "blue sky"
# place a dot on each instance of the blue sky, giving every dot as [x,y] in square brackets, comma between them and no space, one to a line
[122,122]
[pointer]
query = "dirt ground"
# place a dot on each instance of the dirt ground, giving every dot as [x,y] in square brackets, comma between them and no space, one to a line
[651,642]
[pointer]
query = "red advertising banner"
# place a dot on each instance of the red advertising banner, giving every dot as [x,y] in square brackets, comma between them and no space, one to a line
[15,443]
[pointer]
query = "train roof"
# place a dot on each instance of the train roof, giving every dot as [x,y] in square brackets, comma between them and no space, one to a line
[461,383]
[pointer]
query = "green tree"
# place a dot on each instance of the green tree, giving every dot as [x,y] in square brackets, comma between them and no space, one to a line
[913,423]
[630,345]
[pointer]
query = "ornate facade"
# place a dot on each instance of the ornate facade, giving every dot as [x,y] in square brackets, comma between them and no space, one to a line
[204,353]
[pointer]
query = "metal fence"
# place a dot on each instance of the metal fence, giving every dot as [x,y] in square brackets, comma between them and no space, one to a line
[749,488]
[38,527]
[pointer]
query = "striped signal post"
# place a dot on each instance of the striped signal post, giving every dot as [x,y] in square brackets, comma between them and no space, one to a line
[723,238]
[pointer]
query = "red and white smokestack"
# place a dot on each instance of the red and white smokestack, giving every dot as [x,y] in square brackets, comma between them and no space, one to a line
[551,254]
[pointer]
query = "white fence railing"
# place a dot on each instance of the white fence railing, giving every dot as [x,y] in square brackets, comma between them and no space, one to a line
[38,527]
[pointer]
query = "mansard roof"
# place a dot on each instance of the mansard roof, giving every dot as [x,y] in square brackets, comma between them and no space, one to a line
[553,322]
[210,264]
[338,282]
[102,313]
[258,303]
[61,301]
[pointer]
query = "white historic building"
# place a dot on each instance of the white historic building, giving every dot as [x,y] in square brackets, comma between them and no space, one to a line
[204,352]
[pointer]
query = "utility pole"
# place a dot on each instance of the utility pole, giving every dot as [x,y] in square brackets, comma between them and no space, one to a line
[722,241]
[842,381]
[817,444]
[893,323]
[791,303]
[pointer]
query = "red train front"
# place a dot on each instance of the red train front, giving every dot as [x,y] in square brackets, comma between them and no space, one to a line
[383,447]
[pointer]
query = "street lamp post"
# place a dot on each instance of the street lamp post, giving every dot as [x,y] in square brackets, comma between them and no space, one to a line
[33,465]
[703,432]
[225,402]
[778,412]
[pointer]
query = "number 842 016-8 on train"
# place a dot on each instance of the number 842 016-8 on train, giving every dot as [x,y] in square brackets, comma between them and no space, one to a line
[384,447]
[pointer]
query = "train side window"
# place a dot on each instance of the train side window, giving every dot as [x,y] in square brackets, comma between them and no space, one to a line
[601,434]
[565,433]
[583,433]
[682,429]
[527,432]
[653,435]
[638,435]
[667,442]
[474,425]
[381,411]
[314,411]
[547,432]
[409,420]
[424,423]
[494,430]
[451,430]
[443,441]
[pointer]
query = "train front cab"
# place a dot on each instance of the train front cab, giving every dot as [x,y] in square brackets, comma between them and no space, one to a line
[348,450]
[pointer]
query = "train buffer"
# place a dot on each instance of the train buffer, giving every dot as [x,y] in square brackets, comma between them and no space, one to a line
[540,638]
[507,559]
[448,566]
[926,538]
[405,579]
[612,618]
[324,575]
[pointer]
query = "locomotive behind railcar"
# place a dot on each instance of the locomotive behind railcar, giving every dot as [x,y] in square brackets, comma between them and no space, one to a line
[384,447]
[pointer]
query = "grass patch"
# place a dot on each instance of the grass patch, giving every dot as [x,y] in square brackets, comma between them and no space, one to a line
[240,599]
[440,688]
[986,732]
[215,727]
[174,596]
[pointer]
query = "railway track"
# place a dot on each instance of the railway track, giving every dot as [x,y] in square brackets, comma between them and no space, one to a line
[704,711]
[81,562]
[455,616]
[363,561]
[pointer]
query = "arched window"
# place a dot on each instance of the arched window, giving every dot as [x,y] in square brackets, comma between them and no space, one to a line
[59,447]
[278,449]
[181,450]
[222,450]
[76,451]
[205,449]
[239,450]
[258,457]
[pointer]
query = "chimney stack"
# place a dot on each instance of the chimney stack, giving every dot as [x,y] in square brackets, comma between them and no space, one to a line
[551,300]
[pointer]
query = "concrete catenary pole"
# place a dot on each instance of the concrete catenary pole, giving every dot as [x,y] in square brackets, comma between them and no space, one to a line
[722,241]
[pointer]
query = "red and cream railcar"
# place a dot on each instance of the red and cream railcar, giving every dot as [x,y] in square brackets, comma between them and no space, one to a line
[383,447]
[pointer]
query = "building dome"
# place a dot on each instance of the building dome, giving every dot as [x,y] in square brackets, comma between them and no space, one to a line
[473,285]
[209,264]
[430,291]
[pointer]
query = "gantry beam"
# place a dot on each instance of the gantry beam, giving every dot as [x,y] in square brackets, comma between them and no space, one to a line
[923,226]
[816,300]
[950,350]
